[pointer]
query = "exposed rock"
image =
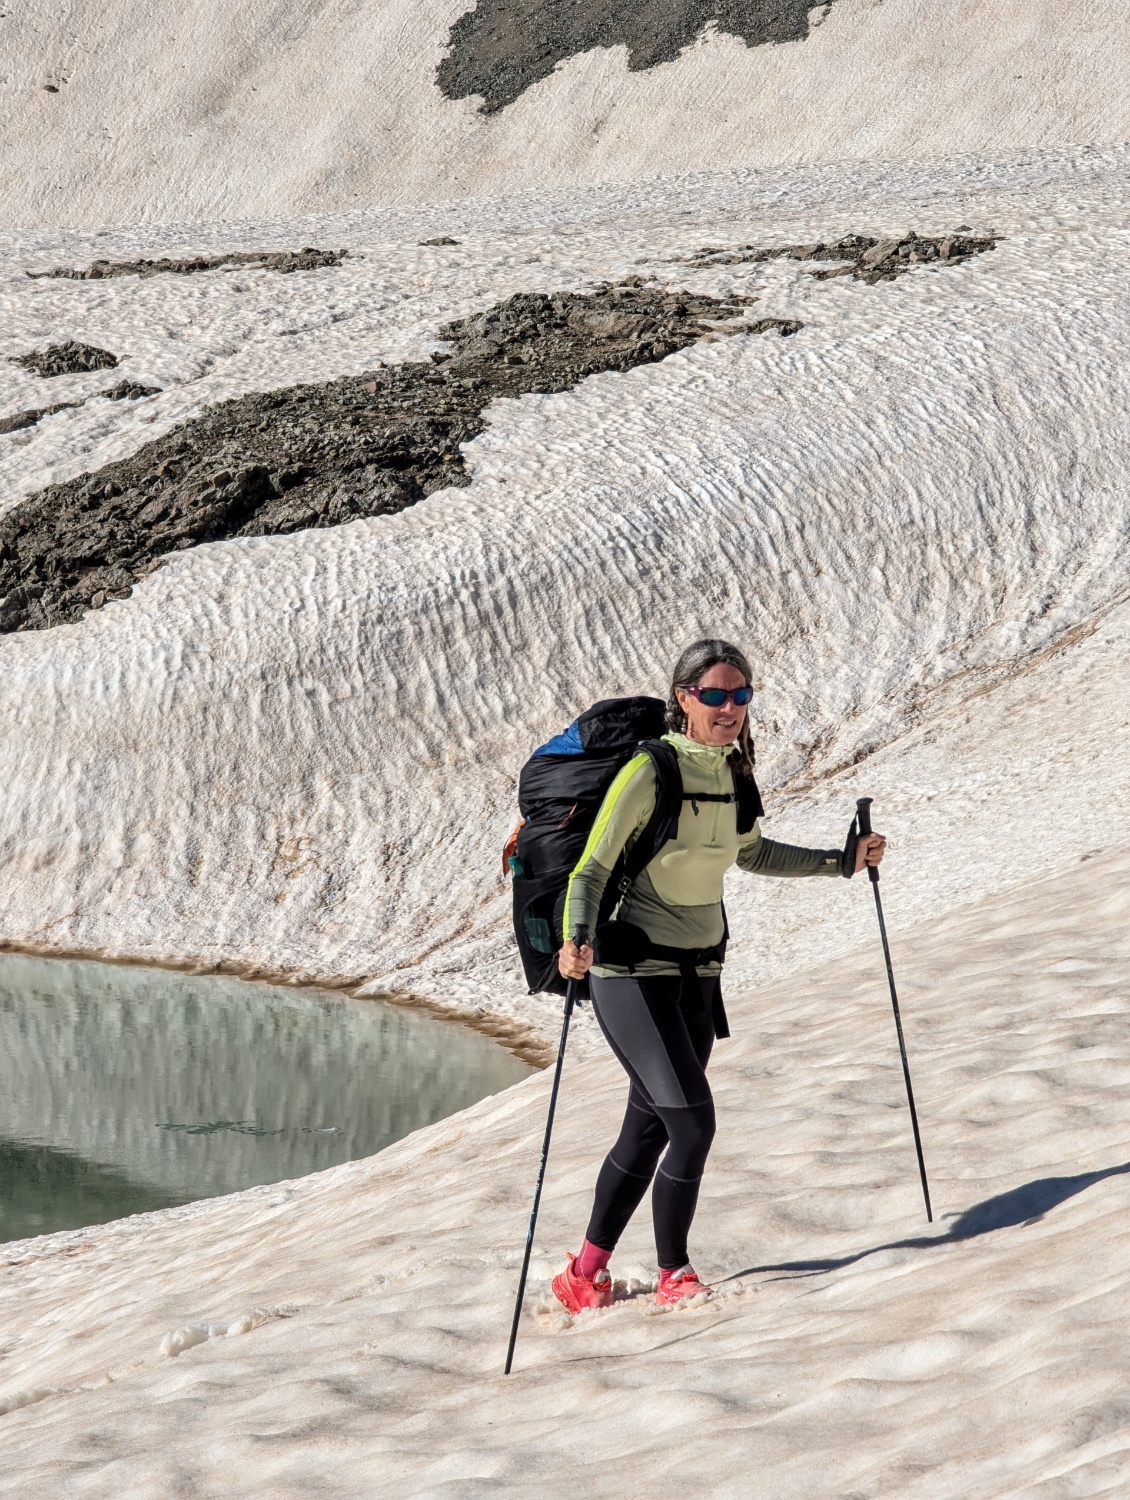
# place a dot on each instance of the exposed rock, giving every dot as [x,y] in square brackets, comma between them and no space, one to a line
[66,359]
[786,327]
[125,390]
[130,390]
[440,239]
[498,48]
[285,261]
[21,419]
[863,257]
[319,455]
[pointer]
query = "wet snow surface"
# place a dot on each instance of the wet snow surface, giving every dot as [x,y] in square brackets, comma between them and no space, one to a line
[299,753]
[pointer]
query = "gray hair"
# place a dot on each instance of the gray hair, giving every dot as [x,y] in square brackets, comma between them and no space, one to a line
[693,664]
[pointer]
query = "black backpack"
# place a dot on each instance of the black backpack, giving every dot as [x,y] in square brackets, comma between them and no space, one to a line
[560,791]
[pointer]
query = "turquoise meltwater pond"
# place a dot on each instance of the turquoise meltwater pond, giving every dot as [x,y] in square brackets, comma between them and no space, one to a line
[124,1090]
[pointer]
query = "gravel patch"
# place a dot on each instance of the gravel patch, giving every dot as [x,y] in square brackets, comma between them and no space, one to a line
[285,261]
[125,390]
[858,255]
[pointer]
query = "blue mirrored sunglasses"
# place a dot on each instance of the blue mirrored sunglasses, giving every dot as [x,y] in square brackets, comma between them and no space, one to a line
[716,697]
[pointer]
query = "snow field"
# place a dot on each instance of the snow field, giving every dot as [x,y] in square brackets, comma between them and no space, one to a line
[852,1348]
[914,513]
[297,756]
[220,110]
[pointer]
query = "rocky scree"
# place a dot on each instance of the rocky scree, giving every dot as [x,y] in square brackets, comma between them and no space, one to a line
[499,48]
[319,455]
[864,258]
[286,261]
[65,359]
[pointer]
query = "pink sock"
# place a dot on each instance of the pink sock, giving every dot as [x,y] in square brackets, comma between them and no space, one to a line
[591,1260]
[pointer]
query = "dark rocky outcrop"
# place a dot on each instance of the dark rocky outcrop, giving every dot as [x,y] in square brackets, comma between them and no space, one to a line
[18,420]
[285,261]
[65,359]
[500,47]
[859,255]
[128,390]
[319,455]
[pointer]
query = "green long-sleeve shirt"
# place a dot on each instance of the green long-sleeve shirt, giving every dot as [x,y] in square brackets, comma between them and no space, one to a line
[677,898]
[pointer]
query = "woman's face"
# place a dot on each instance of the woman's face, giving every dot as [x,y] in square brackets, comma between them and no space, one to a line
[714,726]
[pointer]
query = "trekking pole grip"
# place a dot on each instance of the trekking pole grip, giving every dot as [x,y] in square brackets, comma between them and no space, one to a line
[571,996]
[863,813]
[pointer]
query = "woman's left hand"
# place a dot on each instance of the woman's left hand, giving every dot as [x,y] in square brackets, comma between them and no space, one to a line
[869,851]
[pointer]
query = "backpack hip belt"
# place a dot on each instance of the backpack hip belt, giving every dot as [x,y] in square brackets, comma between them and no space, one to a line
[624,945]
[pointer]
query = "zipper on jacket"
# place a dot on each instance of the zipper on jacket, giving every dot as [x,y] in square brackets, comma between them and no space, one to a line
[717,808]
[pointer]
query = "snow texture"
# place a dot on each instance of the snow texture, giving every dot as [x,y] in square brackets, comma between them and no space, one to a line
[852,1350]
[298,755]
[211,109]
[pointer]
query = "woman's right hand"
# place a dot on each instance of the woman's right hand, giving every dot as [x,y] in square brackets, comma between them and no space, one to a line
[574,962]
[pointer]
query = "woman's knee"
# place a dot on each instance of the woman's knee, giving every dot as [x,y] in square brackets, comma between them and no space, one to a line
[692,1134]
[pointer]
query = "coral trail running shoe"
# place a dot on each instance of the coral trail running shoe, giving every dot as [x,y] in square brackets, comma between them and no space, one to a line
[577,1292]
[680,1286]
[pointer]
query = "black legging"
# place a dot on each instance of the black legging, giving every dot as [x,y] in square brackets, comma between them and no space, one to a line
[663,1038]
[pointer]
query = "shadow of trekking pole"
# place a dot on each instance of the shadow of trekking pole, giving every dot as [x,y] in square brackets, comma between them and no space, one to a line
[1026,1204]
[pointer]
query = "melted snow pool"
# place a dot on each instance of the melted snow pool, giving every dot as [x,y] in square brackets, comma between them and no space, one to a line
[124,1090]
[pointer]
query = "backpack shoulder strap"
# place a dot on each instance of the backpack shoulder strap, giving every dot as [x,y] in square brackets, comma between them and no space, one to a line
[669,795]
[664,821]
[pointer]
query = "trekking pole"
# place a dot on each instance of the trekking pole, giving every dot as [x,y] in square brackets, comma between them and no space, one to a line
[570,1000]
[863,813]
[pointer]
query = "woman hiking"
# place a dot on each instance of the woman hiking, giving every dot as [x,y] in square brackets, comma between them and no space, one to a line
[656,991]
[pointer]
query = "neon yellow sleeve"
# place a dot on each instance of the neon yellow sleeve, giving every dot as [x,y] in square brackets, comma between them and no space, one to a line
[627,806]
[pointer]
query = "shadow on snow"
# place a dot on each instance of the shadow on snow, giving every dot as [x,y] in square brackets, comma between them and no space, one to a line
[1026,1204]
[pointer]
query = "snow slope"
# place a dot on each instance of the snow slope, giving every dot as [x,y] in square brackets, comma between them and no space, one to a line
[297,756]
[212,109]
[853,1350]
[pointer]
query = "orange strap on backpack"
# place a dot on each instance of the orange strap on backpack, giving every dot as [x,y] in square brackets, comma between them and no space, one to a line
[510,848]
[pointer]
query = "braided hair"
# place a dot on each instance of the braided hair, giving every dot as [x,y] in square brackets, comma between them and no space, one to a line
[693,663]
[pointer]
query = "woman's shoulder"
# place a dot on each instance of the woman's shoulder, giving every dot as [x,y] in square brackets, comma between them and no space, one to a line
[636,775]
[631,796]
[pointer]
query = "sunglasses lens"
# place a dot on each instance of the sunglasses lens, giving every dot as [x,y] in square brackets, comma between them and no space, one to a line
[715,697]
